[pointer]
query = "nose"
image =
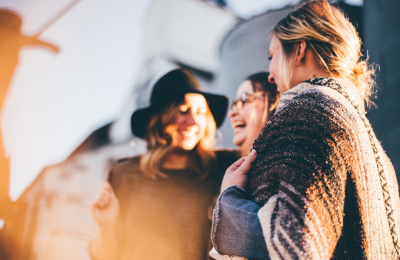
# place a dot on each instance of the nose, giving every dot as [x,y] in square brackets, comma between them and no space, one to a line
[232,113]
[190,119]
[271,79]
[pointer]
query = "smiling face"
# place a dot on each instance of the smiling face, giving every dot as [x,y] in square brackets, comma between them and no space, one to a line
[190,123]
[248,121]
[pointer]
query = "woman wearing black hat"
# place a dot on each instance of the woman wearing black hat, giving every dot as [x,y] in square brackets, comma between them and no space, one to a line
[156,206]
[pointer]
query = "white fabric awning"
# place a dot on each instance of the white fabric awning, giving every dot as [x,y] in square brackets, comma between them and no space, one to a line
[56,100]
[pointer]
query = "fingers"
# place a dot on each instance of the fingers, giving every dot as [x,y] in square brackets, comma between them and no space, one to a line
[249,160]
[245,163]
[104,196]
[103,200]
[235,165]
[106,186]
[253,153]
[236,174]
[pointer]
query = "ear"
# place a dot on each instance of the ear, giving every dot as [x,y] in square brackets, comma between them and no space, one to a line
[301,52]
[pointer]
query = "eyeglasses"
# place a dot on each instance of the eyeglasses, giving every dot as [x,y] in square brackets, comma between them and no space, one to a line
[245,98]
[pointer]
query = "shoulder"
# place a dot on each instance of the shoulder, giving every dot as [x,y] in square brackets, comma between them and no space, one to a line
[314,112]
[124,169]
[329,93]
[324,104]
[127,164]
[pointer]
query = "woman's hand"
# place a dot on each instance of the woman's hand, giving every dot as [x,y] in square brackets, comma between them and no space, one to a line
[236,174]
[105,207]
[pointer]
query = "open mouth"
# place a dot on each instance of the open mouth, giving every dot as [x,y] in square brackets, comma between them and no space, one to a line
[187,135]
[238,124]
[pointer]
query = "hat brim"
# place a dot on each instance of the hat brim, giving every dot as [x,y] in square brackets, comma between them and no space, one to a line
[218,105]
[140,121]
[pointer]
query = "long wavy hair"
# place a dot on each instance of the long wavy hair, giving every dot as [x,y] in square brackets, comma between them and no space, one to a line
[161,142]
[334,40]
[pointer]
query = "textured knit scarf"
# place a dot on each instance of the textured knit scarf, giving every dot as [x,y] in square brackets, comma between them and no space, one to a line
[327,188]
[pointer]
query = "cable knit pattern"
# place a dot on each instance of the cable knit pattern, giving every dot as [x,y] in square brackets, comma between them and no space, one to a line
[326,187]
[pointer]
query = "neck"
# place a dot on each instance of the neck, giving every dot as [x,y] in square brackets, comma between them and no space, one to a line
[244,149]
[307,69]
[177,160]
[319,74]
[310,73]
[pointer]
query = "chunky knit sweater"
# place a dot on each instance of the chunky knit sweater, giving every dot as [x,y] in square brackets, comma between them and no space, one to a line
[326,187]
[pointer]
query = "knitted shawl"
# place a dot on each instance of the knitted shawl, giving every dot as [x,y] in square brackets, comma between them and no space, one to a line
[326,187]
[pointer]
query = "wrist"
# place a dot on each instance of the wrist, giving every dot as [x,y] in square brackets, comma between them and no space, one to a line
[228,185]
[233,186]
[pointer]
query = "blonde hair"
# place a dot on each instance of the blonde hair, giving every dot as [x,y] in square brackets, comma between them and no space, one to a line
[161,142]
[333,39]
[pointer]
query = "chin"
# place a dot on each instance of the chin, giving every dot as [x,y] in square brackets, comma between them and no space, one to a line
[243,146]
[238,141]
[188,146]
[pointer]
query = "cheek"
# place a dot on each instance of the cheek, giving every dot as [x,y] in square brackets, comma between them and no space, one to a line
[274,68]
[178,120]
[246,112]
[202,123]
[256,118]
[171,130]
[249,114]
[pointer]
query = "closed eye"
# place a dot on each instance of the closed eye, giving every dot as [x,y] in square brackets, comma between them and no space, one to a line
[183,109]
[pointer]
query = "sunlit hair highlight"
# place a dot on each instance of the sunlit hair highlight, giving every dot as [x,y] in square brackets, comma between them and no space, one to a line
[161,141]
[334,41]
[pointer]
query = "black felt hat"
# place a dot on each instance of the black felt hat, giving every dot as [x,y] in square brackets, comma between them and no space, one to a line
[172,87]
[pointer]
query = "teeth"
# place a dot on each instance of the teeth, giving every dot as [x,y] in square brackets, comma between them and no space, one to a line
[239,124]
[187,134]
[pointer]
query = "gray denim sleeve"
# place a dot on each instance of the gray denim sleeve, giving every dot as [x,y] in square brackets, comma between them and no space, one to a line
[236,228]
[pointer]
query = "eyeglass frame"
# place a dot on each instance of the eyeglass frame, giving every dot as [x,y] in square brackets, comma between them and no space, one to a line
[243,99]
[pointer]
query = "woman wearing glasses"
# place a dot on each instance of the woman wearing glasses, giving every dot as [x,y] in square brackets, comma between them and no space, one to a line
[256,100]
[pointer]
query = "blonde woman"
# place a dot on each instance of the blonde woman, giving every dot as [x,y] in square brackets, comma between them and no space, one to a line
[156,206]
[318,184]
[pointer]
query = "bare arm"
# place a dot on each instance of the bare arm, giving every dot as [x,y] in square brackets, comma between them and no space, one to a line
[105,211]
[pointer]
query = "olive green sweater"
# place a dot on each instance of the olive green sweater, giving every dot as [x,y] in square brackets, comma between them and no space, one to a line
[167,218]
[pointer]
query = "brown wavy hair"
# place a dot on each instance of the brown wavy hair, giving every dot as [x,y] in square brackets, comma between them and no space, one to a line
[334,40]
[161,142]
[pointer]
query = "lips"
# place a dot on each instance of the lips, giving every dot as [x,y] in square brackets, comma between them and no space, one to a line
[238,124]
[187,134]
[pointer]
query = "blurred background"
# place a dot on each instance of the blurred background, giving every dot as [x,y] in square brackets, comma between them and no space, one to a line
[73,71]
